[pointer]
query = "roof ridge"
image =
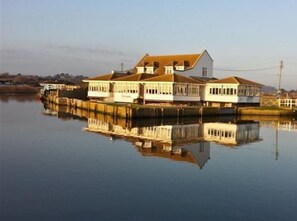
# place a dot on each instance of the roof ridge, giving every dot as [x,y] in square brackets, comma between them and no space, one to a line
[235,79]
[173,55]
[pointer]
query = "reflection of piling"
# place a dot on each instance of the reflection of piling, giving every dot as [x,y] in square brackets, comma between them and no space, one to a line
[276,142]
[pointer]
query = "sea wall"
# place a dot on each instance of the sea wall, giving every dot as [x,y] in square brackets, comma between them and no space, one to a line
[140,111]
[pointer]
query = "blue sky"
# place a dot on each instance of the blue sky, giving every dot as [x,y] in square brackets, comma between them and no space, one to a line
[92,37]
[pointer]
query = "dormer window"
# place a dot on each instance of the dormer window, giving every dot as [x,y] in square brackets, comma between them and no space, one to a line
[150,67]
[150,70]
[182,65]
[140,70]
[169,70]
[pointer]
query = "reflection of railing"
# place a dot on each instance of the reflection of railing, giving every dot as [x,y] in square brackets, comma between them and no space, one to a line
[287,126]
[291,103]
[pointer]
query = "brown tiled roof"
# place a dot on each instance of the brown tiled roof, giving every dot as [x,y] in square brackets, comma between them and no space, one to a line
[164,60]
[171,63]
[175,78]
[136,77]
[235,80]
[203,79]
[107,77]
[151,64]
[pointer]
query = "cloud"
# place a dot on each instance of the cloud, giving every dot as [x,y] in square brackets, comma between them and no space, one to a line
[86,50]
[16,54]
[54,58]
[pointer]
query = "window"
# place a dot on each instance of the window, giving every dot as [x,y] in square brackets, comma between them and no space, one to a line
[140,70]
[193,90]
[180,89]
[152,88]
[204,72]
[168,70]
[150,70]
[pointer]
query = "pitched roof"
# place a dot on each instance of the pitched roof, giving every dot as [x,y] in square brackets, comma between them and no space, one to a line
[164,60]
[136,77]
[174,78]
[203,79]
[235,80]
[107,77]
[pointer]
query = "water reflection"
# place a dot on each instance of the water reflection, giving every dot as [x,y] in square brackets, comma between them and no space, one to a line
[287,125]
[179,142]
[232,134]
[5,98]
[186,140]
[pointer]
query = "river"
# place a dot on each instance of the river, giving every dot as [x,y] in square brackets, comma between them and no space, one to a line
[60,164]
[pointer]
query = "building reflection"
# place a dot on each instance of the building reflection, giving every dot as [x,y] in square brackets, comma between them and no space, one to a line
[180,142]
[232,134]
[187,140]
[287,125]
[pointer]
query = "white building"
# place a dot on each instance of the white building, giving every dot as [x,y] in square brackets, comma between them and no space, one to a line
[164,78]
[55,86]
[157,88]
[174,79]
[101,87]
[52,86]
[232,91]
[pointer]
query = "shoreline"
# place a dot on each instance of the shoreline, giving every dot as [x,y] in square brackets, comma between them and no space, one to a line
[16,89]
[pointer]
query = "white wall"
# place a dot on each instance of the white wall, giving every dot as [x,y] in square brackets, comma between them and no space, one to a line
[170,98]
[228,98]
[231,98]
[125,97]
[204,61]
[98,94]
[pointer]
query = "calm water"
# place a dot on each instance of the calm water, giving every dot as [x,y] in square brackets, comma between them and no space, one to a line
[54,166]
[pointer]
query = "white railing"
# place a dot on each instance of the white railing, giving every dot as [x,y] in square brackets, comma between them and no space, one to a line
[292,103]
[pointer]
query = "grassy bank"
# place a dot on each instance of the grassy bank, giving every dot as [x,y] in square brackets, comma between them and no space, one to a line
[266,111]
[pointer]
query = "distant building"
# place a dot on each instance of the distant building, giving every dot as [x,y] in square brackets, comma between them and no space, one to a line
[55,86]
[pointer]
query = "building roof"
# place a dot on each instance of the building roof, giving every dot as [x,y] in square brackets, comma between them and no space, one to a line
[203,79]
[136,77]
[174,78]
[106,77]
[167,60]
[235,80]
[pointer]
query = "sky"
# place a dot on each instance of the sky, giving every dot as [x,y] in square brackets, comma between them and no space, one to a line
[92,37]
